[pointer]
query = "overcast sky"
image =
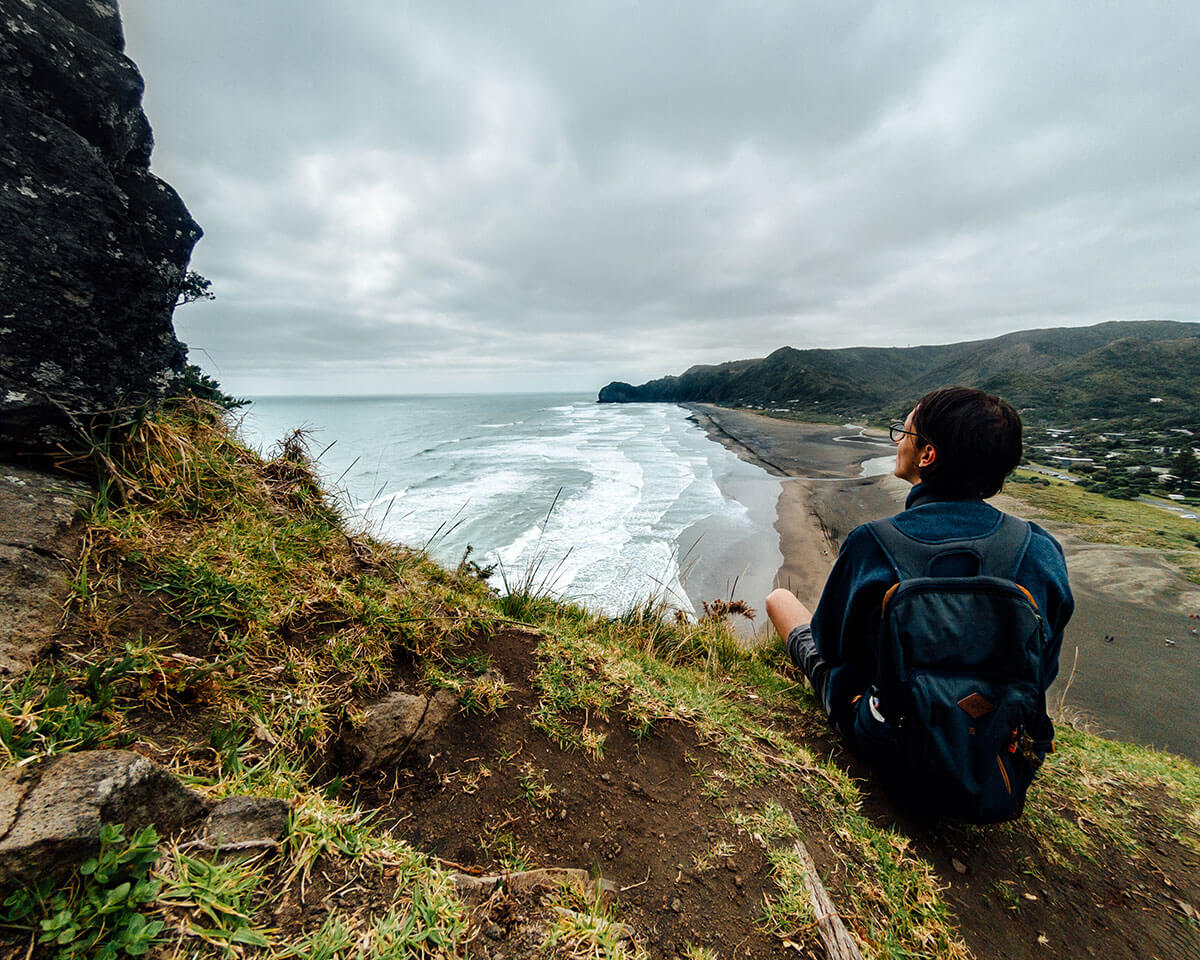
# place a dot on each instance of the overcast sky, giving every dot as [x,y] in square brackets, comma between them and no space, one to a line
[449,197]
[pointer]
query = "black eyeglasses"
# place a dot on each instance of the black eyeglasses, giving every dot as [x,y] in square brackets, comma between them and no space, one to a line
[897,431]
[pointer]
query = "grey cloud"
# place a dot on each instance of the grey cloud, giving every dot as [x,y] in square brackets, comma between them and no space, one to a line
[397,195]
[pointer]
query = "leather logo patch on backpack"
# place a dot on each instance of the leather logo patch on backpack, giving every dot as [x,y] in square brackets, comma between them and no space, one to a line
[977,705]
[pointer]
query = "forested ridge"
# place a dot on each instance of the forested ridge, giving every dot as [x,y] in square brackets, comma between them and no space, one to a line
[1118,372]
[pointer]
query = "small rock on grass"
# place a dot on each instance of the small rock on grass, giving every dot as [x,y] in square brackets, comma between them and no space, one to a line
[393,726]
[621,931]
[242,820]
[37,510]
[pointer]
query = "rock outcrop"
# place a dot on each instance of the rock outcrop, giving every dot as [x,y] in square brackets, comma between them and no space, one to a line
[39,544]
[51,812]
[93,247]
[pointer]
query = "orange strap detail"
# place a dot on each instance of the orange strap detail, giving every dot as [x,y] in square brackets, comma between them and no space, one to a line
[888,596]
[1004,774]
[1028,596]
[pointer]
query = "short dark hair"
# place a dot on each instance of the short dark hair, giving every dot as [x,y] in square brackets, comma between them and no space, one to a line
[977,438]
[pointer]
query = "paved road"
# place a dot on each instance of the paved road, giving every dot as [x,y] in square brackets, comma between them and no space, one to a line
[1046,471]
[1186,510]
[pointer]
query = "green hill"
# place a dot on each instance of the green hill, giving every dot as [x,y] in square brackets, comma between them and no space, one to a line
[1108,371]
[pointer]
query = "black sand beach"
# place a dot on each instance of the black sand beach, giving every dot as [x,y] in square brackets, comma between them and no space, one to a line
[1136,688]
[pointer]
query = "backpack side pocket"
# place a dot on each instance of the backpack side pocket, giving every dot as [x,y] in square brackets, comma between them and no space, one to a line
[875,739]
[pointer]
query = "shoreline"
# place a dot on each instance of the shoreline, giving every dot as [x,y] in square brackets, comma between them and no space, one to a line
[821,497]
[1136,688]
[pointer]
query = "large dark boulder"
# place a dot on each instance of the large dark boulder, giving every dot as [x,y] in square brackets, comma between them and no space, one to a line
[93,247]
[395,725]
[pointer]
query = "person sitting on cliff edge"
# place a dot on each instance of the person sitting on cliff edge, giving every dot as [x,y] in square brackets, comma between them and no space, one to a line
[939,629]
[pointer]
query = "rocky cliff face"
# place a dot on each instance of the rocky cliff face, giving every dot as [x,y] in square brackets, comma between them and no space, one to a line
[93,247]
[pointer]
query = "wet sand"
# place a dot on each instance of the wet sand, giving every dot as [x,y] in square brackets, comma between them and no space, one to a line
[721,559]
[1136,688]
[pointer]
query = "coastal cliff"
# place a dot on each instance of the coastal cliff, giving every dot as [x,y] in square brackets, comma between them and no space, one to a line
[94,247]
[394,753]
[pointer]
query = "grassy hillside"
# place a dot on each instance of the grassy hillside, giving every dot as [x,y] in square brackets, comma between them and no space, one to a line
[226,622]
[1113,384]
[1108,371]
[1101,519]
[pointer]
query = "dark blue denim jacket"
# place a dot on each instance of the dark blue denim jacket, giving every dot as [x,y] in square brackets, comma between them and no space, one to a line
[845,626]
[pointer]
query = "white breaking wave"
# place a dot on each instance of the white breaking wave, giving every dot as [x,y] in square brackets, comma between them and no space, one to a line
[629,479]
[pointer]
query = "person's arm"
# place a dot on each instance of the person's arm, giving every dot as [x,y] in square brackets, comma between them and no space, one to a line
[845,625]
[1046,567]
[846,621]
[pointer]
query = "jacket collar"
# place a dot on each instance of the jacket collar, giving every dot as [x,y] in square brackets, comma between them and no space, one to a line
[921,494]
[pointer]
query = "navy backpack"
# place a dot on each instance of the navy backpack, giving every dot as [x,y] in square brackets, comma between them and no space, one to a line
[956,722]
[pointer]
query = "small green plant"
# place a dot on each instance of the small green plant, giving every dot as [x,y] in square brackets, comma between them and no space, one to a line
[228,740]
[41,715]
[530,594]
[485,695]
[431,925]
[712,790]
[199,591]
[333,941]
[535,788]
[584,926]
[98,914]
[479,690]
[508,852]
[220,899]
[708,858]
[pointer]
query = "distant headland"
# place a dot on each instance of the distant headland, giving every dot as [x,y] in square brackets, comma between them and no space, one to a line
[1119,372]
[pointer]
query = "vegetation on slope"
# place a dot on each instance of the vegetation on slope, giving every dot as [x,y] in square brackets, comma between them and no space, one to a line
[1103,519]
[228,623]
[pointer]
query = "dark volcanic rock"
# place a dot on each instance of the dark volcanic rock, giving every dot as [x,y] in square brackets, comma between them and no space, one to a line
[93,247]
[618,392]
[51,812]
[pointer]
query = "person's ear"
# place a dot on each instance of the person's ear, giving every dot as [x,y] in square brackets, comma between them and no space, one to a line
[928,456]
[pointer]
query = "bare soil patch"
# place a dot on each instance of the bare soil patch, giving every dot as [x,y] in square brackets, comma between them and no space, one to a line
[492,790]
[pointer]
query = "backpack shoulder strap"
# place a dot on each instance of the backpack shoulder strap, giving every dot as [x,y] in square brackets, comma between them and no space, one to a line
[999,553]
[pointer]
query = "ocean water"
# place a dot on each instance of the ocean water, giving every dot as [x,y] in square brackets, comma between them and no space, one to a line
[609,504]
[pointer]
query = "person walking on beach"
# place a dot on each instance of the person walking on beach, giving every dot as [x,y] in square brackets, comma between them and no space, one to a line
[939,629]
